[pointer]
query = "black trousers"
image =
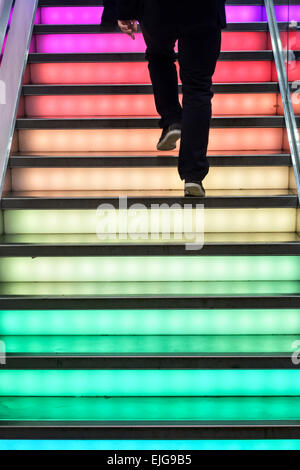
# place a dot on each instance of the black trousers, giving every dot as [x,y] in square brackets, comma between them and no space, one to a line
[110,11]
[198,50]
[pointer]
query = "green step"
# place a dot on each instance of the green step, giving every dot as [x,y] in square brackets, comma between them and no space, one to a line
[160,383]
[149,289]
[149,409]
[122,345]
[150,322]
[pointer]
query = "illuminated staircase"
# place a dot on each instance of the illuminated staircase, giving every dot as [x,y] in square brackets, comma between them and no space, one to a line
[140,338]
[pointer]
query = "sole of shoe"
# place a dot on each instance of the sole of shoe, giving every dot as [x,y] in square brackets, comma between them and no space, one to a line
[170,141]
[194,190]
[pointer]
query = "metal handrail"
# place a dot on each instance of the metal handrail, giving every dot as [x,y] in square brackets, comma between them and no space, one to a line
[291,125]
[4,19]
[12,71]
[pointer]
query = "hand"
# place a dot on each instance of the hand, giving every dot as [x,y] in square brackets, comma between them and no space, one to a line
[128,27]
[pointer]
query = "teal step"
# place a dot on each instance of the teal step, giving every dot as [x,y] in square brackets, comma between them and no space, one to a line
[150,383]
[166,345]
[149,409]
[110,324]
[154,445]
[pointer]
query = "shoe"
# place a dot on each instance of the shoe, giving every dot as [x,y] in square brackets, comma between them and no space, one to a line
[169,137]
[192,189]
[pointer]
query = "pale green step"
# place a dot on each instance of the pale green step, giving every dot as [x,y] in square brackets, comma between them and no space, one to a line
[140,289]
[150,268]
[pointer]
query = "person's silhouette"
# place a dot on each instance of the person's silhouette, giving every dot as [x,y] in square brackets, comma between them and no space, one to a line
[197,27]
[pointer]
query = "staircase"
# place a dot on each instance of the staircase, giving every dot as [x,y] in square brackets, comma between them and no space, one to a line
[142,337]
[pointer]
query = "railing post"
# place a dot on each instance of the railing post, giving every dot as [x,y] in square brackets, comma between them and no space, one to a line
[12,70]
[5,9]
[291,125]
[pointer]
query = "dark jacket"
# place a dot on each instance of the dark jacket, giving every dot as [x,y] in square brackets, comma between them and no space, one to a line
[173,11]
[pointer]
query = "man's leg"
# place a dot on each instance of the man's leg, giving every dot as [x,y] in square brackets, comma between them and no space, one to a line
[161,57]
[109,16]
[199,49]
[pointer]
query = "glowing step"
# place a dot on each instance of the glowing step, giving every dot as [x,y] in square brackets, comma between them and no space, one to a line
[133,292]
[103,43]
[92,14]
[72,71]
[142,105]
[133,73]
[152,221]
[113,179]
[135,140]
[143,159]
[149,409]
[65,240]
[168,344]
[83,39]
[118,269]
[268,444]
[151,322]
[150,383]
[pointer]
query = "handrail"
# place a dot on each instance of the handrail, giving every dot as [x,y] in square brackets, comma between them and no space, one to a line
[291,125]
[4,19]
[12,69]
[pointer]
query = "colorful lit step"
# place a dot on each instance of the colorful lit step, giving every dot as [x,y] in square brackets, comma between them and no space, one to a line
[102,43]
[142,105]
[149,409]
[133,179]
[93,14]
[105,68]
[50,72]
[216,220]
[153,409]
[151,322]
[150,345]
[88,38]
[258,444]
[136,140]
[150,383]
[167,294]
[155,268]
[167,244]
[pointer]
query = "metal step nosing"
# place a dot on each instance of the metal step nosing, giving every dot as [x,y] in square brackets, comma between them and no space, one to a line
[150,430]
[171,249]
[65,302]
[146,362]
[218,88]
[146,123]
[255,202]
[33,58]
[143,161]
